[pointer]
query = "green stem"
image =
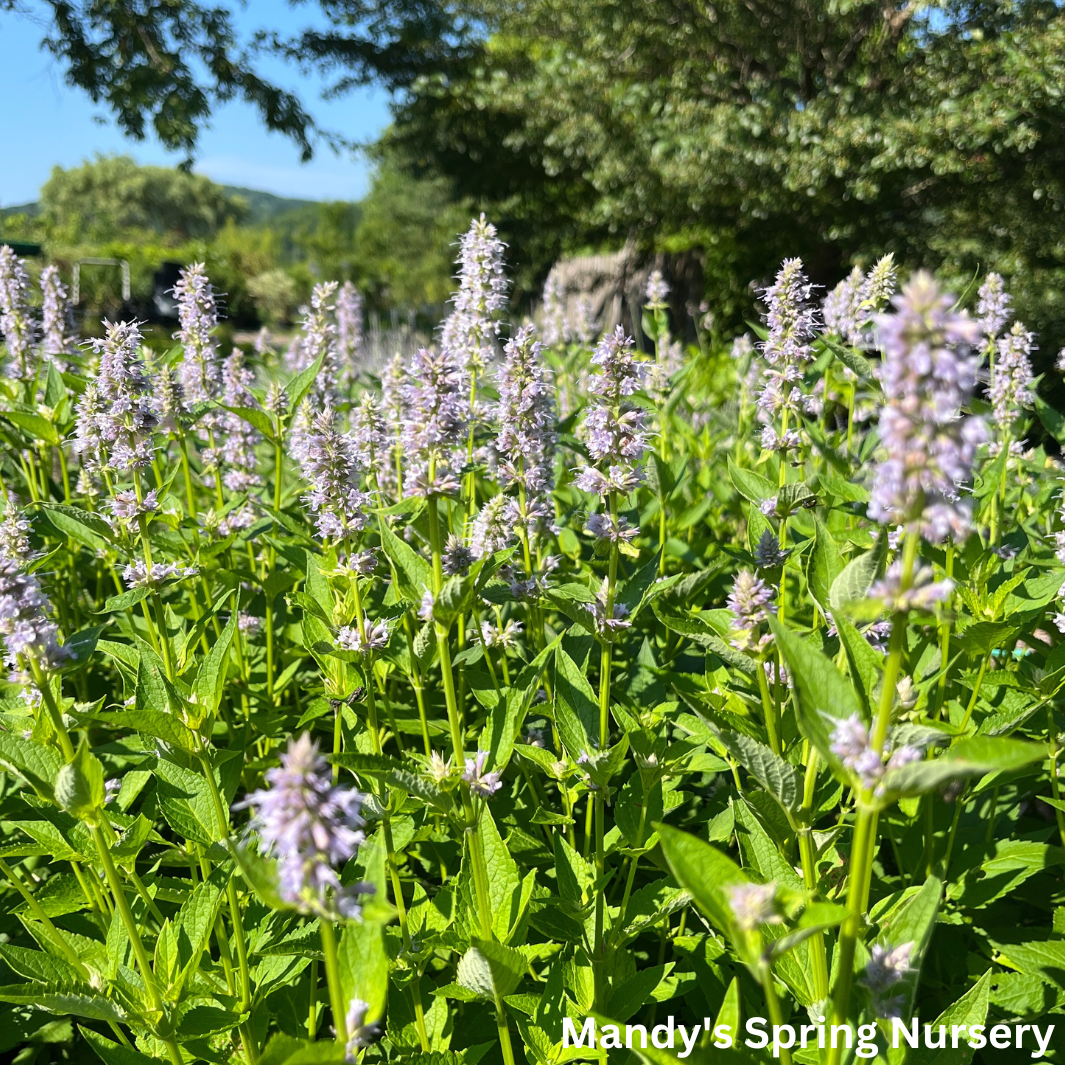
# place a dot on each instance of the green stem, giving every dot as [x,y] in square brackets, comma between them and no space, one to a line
[332,979]
[864,844]
[122,903]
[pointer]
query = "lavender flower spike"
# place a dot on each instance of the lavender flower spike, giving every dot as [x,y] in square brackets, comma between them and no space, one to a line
[117,412]
[349,331]
[842,308]
[57,319]
[330,462]
[524,449]
[992,306]
[312,827]
[200,372]
[928,374]
[24,625]
[435,415]
[1011,378]
[791,321]
[16,326]
[470,331]
[614,429]
[751,600]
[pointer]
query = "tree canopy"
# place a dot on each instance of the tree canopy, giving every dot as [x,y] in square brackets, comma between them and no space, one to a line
[749,129]
[112,194]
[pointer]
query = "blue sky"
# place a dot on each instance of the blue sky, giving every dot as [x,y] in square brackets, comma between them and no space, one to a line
[45,123]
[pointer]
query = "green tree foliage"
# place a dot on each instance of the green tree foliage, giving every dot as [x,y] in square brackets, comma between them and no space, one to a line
[403,245]
[112,194]
[759,129]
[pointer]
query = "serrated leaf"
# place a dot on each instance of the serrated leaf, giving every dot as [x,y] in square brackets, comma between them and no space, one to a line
[857,576]
[781,779]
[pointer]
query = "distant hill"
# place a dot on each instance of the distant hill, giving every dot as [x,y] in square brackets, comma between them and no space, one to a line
[263,207]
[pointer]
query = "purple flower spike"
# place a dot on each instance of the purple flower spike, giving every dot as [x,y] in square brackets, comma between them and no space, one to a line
[928,374]
[201,371]
[16,326]
[311,826]
[614,429]
[470,331]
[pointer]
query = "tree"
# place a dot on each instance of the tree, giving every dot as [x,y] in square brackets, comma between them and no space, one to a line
[165,65]
[761,128]
[104,198]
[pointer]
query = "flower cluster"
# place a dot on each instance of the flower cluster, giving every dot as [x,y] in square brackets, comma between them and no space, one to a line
[436,414]
[751,601]
[928,374]
[16,326]
[351,637]
[791,320]
[887,967]
[117,412]
[470,331]
[923,592]
[992,307]
[200,372]
[1011,380]
[754,905]
[24,623]
[57,319]
[482,783]
[311,826]
[614,429]
[851,743]
[524,448]
[349,331]
[330,463]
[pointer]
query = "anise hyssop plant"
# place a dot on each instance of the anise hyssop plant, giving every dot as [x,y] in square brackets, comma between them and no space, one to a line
[538,690]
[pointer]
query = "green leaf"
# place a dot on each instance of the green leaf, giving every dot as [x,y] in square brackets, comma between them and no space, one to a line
[703,871]
[856,577]
[38,427]
[781,779]
[824,566]
[55,973]
[124,600]
[211,676]
[93,1006]
[256,418]
[115,1053]
[506,717]
[364,966]
[576,707]
[490,970]
[154,723]
[194,924]
[726,652]
[865,663]
[185,802]
[973,757]
[752,486]
[413,573]
[821,688]
[38,765]
[296,390]
[82,525]
[79,786]
[970,1009]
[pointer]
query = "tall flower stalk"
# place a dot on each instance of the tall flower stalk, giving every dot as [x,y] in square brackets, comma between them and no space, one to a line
[928,375]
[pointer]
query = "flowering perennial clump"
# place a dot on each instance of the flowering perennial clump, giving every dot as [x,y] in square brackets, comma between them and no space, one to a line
[412,716]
